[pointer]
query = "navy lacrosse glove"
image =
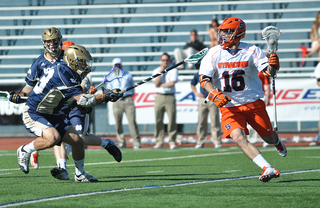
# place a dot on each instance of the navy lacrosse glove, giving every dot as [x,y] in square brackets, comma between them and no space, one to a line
[111,95]
[15,97]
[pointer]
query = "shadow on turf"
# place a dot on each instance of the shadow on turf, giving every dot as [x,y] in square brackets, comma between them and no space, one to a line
[298,180]
[165,177]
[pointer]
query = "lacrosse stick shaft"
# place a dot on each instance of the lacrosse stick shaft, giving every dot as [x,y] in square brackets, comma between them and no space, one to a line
[101,83]
[195,58]
[5,95]
[275,123]
[153,76]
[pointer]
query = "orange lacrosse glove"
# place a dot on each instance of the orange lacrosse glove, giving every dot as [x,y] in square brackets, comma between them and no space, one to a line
[274,61]
[218,98]
[93,90]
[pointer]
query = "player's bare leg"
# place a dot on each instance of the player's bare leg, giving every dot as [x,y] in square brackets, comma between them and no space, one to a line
[108,144]
[72,137]
[50,137]
[240,138]
[252,152]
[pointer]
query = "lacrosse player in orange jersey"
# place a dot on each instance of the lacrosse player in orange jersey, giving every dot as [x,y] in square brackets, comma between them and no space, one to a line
[229,72]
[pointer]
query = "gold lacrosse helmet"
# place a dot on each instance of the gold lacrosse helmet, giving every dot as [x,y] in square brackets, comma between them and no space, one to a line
[52,36]
[78,58]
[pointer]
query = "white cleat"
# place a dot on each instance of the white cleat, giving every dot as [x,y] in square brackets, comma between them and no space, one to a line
[199,146]
[85,178]
[158,146]
[34,160]
[268,173]
[281,149]
[173,146]
[60,173]
[23,159]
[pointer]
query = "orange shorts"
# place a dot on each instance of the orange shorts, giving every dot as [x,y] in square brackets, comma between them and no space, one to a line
[253,113]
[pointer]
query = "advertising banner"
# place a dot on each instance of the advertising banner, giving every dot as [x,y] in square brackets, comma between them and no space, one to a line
[296,99]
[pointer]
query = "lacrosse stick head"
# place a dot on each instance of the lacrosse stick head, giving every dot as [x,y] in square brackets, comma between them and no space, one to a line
[114,77]
[195,58]
[4,96]
[271,35]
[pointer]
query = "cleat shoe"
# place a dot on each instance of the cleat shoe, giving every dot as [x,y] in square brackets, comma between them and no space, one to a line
[268,173]
[217,146]
[173,146]
[136,146]
[34,160]
[199,146]
[23,159]
[60,173]
[114,150]
[281,149]
[85,178]
[314,143]
[158,146]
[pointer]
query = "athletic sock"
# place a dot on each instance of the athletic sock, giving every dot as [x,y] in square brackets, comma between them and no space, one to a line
[68,149]
[104,143]
[79,165]
[261,162]
[62,163]
[29,147]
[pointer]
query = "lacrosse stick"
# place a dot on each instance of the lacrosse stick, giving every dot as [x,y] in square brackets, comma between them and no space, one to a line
[113,75]
[193,59]
[5,95]
[271,35]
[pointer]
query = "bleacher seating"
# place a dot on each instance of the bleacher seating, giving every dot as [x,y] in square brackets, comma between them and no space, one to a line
[139,31]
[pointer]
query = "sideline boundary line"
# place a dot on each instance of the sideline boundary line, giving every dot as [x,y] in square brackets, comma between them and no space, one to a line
[170,158]
[144,187]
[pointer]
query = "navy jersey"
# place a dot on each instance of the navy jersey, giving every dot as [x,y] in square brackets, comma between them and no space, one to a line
[54,87]
[40,66]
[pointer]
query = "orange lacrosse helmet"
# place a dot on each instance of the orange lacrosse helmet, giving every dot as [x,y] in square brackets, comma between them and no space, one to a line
[66,44]
[231,26]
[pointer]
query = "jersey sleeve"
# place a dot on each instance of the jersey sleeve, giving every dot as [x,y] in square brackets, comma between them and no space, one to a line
[260,59]
[33,74]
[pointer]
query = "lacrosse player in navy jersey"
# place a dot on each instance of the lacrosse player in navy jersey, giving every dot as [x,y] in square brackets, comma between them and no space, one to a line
[53,55]
[42,113]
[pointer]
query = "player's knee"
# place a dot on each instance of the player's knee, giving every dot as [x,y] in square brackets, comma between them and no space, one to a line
[239,136]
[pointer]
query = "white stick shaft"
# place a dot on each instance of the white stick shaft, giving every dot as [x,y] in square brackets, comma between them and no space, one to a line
[275,123]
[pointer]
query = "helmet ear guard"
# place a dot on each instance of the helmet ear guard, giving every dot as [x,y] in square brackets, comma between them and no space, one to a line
[52,34]
[78,58]
[239,31]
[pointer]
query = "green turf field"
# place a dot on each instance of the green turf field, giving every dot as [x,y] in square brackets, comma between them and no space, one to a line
[185,177]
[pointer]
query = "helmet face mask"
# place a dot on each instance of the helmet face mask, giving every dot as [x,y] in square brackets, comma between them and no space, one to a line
[231,31]
[78,58]
[52,41]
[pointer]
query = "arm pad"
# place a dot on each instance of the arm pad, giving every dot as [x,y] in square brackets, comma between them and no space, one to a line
[203,79]
[87,100]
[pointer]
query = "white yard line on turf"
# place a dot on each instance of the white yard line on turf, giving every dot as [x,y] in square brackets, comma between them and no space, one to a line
[173,158]
[141,188]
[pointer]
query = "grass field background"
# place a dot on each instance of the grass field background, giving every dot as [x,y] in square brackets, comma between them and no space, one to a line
[185,177]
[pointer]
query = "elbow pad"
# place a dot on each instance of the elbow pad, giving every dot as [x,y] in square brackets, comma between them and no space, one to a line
[87,100]
[203,79]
